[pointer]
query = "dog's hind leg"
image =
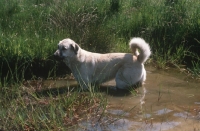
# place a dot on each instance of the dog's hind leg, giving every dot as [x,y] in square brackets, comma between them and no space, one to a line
[129,77]
[121,82]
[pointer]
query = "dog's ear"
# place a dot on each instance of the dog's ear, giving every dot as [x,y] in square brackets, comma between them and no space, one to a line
[75,48]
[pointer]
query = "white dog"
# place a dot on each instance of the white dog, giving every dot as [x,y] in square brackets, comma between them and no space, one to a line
[94,68]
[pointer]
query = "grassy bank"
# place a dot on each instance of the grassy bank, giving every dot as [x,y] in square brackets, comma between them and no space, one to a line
[30,31]
[34,106]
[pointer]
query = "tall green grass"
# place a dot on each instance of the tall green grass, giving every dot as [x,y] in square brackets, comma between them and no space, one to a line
[30,30]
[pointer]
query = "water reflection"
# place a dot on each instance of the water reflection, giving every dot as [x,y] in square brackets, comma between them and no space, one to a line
[168,101]
[163,111]
[155,126]
[118,125]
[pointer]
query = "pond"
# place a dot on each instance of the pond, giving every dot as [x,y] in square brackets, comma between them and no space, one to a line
[169,101]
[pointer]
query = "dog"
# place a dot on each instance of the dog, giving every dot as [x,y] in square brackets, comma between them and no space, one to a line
[95,68]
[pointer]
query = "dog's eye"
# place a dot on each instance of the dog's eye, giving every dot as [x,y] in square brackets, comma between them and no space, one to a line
[63,48]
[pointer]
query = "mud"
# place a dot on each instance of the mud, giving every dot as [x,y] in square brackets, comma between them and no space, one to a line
[169,101]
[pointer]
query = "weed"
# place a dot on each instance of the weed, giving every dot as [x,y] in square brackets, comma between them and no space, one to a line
[30,31]
[33,110]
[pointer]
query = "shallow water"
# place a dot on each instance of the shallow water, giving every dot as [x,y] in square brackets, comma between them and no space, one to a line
[169,101]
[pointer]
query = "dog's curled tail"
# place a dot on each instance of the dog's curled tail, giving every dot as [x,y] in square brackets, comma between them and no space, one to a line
[139,43]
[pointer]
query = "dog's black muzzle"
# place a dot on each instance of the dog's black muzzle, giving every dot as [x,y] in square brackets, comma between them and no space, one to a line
[58,56]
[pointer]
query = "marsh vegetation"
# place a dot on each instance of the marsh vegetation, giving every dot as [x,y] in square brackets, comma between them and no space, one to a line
[30,31]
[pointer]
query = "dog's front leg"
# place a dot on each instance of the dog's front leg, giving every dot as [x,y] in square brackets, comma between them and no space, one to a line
[84,84]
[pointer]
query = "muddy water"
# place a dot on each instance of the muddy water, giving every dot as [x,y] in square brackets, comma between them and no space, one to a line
[168,101]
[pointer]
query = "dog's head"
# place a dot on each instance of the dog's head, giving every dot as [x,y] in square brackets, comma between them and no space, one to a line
[66,48]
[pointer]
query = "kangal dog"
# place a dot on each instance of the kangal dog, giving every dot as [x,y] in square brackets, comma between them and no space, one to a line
[94,68]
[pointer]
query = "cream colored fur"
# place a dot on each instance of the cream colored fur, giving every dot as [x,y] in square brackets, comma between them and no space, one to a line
[95,68]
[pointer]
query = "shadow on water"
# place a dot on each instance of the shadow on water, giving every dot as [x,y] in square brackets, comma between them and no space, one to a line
[57,87]
[168,101]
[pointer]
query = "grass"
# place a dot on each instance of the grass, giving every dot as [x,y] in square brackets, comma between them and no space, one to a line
[36,105]
[30,31]
[31,106]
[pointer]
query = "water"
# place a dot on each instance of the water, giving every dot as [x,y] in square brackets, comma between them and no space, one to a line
[169,101]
